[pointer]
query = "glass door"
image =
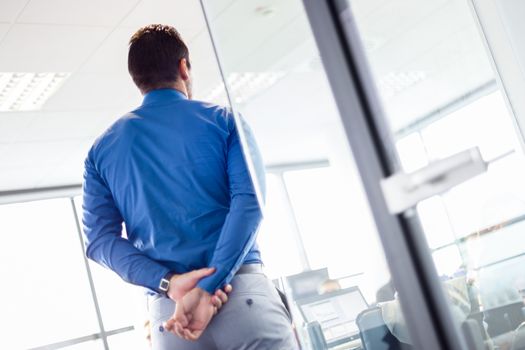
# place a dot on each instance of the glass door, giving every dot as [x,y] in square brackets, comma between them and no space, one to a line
[319,241]
[451,165]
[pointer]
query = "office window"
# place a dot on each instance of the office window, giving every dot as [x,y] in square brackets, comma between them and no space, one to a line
[456,216]
[88,345]
[46,296]
[479,123]
[501,199]
[121,304]
[335,229]
[277,235]
[448,261]
[436,222]
[129,340]
[412,152]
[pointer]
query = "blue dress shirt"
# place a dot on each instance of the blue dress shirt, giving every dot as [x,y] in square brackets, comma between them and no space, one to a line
[174,172]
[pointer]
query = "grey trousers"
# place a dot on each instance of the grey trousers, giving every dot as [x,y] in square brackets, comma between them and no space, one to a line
[253,318]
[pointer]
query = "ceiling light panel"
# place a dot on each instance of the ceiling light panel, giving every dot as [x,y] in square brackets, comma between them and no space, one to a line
[244,86]
[28,91]
[396,82]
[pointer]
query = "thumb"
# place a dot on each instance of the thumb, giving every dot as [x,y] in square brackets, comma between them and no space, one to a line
[169,324]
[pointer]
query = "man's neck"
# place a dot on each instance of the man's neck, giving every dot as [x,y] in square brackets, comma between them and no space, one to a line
[179,86]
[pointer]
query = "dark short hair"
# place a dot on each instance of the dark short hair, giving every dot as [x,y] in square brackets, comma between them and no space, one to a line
[154,55]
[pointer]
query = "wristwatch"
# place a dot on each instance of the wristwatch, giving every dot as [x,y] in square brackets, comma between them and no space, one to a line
[164,284]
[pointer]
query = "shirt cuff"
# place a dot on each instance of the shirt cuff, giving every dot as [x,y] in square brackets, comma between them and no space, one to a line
[214,282]
[154,280]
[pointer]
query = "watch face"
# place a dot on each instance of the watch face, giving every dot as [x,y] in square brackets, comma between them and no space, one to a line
[164,285]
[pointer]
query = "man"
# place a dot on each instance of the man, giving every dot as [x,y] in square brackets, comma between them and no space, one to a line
[174,172]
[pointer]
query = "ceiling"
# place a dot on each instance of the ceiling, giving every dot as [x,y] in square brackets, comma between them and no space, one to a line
[89,39]
[46,148]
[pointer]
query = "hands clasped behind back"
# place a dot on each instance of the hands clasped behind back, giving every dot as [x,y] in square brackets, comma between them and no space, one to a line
[195,307]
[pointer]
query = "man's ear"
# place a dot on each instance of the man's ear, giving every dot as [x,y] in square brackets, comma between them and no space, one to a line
[184,71]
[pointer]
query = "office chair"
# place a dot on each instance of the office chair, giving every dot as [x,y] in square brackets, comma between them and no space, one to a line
[316,336]
[374,333]
[519,338]
[473,335]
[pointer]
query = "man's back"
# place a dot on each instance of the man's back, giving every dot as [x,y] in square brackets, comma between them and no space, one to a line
[171,171]
[166,166]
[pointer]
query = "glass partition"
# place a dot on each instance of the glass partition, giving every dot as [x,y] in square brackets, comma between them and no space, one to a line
[439,92]
[316,213]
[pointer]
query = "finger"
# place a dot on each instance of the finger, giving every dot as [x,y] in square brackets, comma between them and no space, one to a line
[228,288]
[173,328]
[221,295]
[189,335]
[215,310]
[168,325]
[178,330]
[216,301]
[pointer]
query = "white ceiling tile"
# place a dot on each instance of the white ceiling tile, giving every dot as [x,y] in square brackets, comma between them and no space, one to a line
[44,48]
[185,15]
[416,41]
[17,178]
[277,53]
[112,55]
[365,8]
[10,9]
[215,7]
[55,126]
[260,33]
[68,172]
[12,124]
[34,153]
[4,27]
[381,26]
[95,92]
[54,168]
[77,12]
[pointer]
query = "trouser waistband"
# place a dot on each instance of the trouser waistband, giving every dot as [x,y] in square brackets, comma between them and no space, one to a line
[250,268]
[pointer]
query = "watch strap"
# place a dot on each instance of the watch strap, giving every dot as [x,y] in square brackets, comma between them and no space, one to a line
[164,283]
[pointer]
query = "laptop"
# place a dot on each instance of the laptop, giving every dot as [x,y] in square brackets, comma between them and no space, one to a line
[336,312]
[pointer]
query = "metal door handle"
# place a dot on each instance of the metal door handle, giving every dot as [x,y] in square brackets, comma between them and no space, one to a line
[403,191]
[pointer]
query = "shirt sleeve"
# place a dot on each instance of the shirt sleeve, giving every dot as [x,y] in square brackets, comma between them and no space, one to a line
[238,233]
[103,234]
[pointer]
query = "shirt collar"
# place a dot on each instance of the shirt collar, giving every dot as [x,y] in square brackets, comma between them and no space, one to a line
[162,95]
